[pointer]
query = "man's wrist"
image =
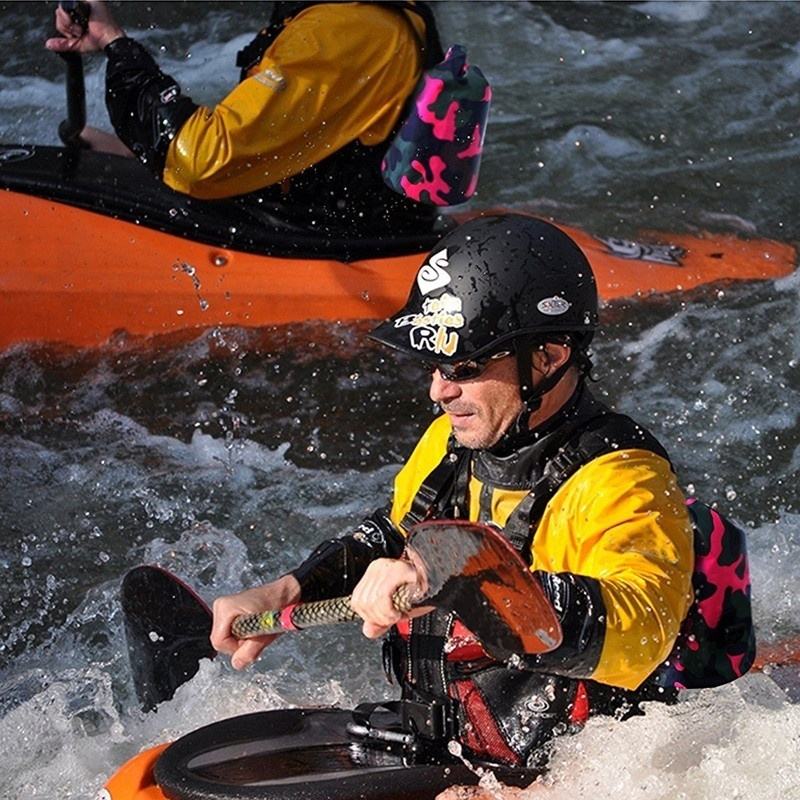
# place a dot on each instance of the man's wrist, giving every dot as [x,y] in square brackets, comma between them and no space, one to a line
[108,37]
[116,43]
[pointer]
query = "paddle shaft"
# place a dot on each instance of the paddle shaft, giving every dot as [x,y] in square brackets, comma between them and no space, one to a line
[70,128]
[308,615]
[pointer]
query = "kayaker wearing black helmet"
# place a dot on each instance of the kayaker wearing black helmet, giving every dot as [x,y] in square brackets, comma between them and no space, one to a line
[322,90]
[504,309]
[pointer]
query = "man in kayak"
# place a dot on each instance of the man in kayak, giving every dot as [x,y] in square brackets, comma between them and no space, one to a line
[322,90]
[502,313]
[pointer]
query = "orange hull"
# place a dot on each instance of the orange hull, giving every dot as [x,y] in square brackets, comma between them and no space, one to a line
[74,276]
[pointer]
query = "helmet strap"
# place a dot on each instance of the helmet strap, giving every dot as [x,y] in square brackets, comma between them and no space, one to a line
[532,395]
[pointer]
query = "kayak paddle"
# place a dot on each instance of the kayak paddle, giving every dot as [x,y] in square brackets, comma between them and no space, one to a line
[167,627]
[468,568]
[70,128]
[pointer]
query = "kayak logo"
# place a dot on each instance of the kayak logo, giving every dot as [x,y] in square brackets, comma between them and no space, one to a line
[553,306]
[669,254]
[432,275]
[8,155]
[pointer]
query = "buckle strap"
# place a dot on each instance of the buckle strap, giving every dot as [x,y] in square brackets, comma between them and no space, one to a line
[417,723]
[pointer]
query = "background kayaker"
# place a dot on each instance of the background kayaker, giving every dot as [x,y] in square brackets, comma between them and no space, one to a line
[503,312]
[322,90]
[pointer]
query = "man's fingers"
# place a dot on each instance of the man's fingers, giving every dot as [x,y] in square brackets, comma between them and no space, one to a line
[248,651]
[66,26]
[58,44]
[227,644]
[373,631]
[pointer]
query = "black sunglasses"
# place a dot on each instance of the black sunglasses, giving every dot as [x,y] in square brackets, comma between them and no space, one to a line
[465,370]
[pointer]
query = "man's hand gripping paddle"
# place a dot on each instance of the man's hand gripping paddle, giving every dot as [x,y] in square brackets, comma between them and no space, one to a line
[464,567]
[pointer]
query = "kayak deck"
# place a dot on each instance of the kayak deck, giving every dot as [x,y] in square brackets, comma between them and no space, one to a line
[288,754]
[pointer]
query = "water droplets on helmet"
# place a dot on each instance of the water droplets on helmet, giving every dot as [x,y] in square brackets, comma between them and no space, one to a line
[491,281]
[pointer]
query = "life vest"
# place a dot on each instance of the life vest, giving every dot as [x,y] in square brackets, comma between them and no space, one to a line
[346,189]
[432,656]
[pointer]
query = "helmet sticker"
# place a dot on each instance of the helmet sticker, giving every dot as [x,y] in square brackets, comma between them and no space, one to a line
[553,306]
[430,330]
[431,276]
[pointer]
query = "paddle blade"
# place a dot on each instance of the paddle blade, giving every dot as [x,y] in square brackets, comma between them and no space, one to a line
[167,627]
[473,570]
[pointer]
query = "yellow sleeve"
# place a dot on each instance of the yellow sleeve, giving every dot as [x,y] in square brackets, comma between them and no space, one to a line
[622,520]
[338,72]
[424,459]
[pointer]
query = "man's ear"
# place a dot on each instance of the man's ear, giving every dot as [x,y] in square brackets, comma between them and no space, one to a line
[550,357]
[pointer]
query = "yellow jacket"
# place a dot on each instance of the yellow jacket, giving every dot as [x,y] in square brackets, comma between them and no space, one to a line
[338,72]
[621,520]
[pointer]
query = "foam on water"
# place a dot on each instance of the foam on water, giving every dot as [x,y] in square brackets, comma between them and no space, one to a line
[738,741]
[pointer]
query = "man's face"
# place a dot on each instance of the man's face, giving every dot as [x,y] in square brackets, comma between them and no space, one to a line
[481,410]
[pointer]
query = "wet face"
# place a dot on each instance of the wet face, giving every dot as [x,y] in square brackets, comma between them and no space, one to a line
[481,410]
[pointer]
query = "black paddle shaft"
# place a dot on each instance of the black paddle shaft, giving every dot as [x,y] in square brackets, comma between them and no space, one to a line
[69,129]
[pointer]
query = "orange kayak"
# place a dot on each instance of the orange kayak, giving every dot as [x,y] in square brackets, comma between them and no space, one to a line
[98,247]
[289,754]
[264,755]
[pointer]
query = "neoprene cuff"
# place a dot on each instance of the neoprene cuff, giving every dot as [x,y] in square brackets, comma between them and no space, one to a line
[579,605]
[336,565]
[130,51]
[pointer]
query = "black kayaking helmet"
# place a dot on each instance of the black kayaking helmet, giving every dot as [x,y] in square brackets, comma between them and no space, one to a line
[496,283]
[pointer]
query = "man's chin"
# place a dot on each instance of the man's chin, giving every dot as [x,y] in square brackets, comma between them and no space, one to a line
[474,440]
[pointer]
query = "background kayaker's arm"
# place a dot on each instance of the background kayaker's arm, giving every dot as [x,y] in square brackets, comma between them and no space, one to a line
[145,105]
[137,108]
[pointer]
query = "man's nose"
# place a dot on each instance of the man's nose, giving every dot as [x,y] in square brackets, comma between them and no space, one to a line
[441,390]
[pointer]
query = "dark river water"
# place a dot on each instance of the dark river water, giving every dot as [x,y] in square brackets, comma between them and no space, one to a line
[226,457]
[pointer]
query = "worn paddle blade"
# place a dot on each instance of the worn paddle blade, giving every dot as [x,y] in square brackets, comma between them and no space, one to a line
[167,627]
[473,570]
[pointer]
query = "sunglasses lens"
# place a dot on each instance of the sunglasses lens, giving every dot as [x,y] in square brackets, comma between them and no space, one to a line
[463,370]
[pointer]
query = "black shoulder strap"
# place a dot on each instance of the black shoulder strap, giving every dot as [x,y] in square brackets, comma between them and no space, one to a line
[432,51]
[603,434]
[253,52]
[441,485]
